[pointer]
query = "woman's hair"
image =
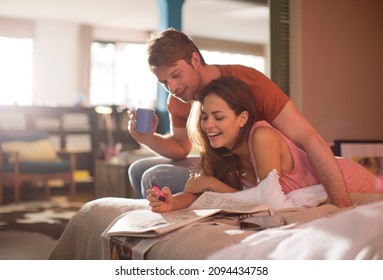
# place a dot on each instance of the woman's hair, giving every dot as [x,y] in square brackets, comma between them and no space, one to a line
[223,163]
[169,46]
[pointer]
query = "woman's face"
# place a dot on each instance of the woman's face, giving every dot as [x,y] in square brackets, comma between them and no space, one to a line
[219,122]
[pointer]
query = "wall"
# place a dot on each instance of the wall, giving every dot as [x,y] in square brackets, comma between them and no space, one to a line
[61,55]
[337,78]
[60,60]
[56,63]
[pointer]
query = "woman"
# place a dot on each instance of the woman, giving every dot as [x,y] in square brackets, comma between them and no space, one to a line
[238,153]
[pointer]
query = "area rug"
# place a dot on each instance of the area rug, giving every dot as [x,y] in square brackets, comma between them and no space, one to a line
[29,230]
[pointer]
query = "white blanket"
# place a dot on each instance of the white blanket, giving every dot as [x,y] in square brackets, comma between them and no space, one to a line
[353,234]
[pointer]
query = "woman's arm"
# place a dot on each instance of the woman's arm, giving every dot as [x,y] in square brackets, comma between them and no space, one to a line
[202,183]
[193,189]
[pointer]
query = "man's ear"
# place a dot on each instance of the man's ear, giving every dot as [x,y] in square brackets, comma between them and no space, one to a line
[244,116]
[195,60]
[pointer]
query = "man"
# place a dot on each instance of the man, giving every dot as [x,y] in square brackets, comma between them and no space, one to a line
[181,69]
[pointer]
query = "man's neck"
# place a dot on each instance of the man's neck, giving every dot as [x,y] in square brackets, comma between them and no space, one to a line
[209,73]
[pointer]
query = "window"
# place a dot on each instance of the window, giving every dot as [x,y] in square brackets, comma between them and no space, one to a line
[216,57]
[120,75]
[16,71]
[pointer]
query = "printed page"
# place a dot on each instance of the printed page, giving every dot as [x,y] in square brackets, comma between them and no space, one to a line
[147,223]
[227,203]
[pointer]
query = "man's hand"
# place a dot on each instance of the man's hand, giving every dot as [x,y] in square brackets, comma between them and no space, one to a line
[142,138]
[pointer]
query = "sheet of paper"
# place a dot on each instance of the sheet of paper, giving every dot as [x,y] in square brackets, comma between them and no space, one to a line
[147,223]
[225,202]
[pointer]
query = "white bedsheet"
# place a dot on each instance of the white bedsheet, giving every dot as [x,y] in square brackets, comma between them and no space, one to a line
[353,234]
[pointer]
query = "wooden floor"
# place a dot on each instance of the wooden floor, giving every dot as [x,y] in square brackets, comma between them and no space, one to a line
[84,193]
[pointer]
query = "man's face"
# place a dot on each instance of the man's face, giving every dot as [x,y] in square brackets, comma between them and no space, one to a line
[182,80]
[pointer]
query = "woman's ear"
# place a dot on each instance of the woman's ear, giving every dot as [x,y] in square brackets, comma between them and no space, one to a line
[243,117]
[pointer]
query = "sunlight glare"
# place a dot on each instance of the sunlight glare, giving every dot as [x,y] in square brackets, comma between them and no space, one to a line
[16,56]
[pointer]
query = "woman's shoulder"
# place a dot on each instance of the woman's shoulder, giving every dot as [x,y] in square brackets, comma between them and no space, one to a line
[261,126]
[263,132]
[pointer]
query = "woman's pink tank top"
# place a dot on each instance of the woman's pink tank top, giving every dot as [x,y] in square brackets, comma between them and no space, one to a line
[302,174]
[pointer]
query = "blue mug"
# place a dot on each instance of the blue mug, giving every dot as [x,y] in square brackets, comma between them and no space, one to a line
[144,120]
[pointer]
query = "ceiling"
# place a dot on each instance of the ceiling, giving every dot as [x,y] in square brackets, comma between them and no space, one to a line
[235,20]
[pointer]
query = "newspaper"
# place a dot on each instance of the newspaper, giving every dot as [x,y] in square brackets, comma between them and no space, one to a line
[226,203]
[146,223]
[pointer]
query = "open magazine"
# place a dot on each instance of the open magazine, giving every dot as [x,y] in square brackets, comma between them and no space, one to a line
[146,223]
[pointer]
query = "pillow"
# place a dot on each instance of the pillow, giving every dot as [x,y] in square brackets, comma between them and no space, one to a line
[40,150]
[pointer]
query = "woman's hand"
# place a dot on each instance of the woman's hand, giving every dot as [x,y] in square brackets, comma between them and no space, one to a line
[158,205]
[171,202]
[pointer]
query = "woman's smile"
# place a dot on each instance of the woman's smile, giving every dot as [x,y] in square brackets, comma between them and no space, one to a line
[213,138]
[213,134]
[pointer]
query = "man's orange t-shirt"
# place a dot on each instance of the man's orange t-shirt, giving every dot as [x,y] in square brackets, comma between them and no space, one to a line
[269,98]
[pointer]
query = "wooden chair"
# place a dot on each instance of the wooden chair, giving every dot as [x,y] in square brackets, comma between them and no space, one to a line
[27,156]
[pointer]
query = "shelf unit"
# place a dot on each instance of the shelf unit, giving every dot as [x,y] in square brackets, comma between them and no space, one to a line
[76,136]
[78,129]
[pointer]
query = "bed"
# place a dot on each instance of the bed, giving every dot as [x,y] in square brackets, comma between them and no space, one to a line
[322,232]
[316,231]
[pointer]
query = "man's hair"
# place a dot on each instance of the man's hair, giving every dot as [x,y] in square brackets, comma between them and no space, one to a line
[169,46]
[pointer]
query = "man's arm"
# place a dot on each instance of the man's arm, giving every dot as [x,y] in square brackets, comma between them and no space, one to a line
[175,145]
[297,128]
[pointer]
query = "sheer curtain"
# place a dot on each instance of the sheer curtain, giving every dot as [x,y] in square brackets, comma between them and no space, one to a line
[16,56]
[120,75]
